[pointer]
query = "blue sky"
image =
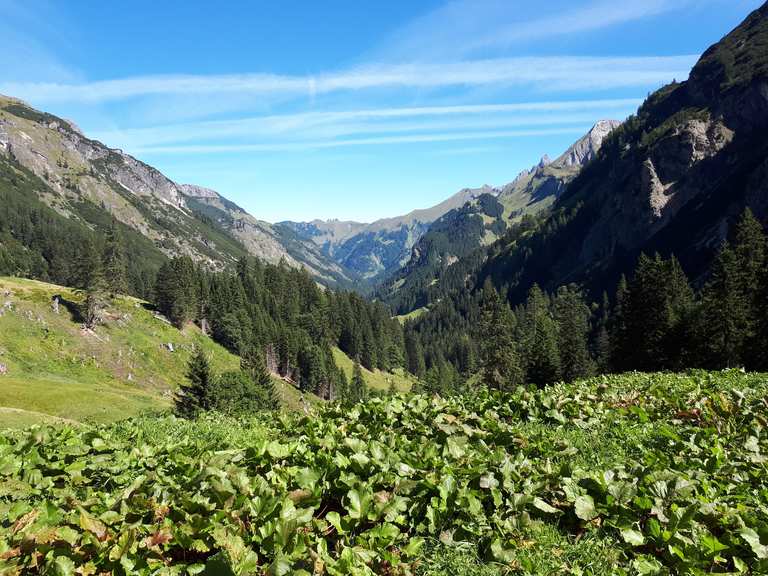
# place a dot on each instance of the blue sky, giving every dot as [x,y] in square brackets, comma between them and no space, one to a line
[348,109]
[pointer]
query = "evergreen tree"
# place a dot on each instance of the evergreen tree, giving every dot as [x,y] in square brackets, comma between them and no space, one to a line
[415,355]
[760,349]
[176,290]
[725,312]
[749,248]
[655,314]
[501,368]
[91,284]
[341,389]
[115,267]
[620,341]
[194,397]
[252,363]
[358,391]
[602,342]
[572,318]
[539,336]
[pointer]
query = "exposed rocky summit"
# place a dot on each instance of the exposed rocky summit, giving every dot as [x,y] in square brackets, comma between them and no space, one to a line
[586,148]
[536,189]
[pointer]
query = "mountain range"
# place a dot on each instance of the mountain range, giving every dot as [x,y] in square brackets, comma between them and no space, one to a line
[668,179]
[671,179]
[77,176]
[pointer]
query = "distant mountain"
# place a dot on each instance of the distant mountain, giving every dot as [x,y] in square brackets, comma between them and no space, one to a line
[536,189]
[84,180]
[464,230]
[379,248]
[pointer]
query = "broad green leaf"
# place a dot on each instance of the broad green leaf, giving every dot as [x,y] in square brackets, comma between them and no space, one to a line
[633,537]
[753,539]
[585,508]
[64,566]
[545,507]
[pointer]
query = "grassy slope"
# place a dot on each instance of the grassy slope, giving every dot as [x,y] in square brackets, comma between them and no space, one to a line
[377,380]
[57,369]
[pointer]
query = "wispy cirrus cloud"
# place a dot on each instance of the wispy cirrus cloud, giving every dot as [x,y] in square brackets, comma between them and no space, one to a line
[373,121]
[375,141]
[543,73]
[460,28]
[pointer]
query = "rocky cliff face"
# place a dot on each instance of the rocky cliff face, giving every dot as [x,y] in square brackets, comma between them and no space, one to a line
[83,174]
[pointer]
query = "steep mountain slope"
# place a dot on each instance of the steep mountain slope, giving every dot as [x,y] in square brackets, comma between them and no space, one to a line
[465,230]
[670,179]
[84,180]
[377,249]
[260,238]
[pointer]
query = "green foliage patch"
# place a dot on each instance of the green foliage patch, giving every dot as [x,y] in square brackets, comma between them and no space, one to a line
[633,474]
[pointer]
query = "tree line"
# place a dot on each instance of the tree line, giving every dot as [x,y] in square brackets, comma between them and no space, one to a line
[654,321]
[281,313]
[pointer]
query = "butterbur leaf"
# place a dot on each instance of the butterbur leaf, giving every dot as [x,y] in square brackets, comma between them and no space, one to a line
[585,508]
[68,535]
[413,548]
[488,481]
[647,566]
[335,520]
[358,504]
[63,566]
[633,537]
[544,507]
[712,544]
[280,566]
[92,525]
[753,539]
[501,553]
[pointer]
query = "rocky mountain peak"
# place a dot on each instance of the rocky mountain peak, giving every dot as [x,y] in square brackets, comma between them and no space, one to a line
[193,191]
[586,147]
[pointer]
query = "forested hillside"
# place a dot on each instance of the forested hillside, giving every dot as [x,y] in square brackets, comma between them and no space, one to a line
[674,180]
[454,244]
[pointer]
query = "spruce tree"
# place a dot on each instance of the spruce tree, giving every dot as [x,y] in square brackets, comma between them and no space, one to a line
[195,396]
[602,342]
[749,248]
[760,350]
[725,312]
[541,354]
[92,285]
[358,391]
[572,318]
[656,312]
[114,262]
[501,369]
[620,344]
[415,355]
[252,363]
